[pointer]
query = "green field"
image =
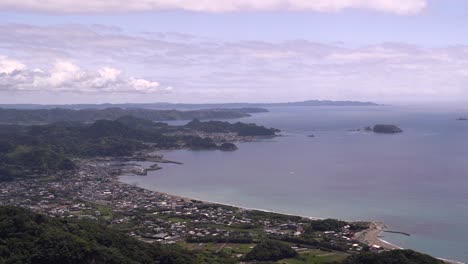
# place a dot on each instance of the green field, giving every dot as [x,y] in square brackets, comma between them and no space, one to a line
[316,256]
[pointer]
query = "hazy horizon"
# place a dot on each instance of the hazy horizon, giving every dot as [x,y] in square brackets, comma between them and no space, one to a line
[461,106]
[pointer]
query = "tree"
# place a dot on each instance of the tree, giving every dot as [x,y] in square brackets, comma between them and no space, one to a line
[270,250]
[392,257]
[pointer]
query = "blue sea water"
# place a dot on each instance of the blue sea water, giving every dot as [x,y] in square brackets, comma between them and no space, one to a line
[415,181]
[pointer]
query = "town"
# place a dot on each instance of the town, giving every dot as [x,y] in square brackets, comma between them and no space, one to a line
[94,192]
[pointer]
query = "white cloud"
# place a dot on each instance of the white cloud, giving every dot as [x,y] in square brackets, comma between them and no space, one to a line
[211,70]
[8,66]
[463,72]
[109,74]
[402,7]
[65,76]
[144,85]
[367,54]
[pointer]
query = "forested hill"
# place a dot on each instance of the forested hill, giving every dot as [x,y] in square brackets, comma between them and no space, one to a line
[41,116]
[35,150]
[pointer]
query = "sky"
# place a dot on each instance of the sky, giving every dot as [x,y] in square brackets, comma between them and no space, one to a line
[93,51]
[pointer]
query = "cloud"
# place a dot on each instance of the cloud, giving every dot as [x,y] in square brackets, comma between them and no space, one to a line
[360,56]
[401,7]
[65,76]
[8,66]
[213,70]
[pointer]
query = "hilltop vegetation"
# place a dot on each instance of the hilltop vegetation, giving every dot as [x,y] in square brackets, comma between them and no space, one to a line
[43,116]
[41,149]
[25,160]
[393,257]
[242,129]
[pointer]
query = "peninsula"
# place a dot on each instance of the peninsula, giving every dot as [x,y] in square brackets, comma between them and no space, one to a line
[44,116]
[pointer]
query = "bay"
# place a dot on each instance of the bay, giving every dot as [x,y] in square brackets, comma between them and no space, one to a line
[415,182]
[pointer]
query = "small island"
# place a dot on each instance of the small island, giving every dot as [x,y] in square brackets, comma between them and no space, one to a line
[381,129]
[227,147]
[462,119]
[386,129]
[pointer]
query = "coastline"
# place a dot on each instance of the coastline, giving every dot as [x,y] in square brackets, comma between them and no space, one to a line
[370,236]
[204,201]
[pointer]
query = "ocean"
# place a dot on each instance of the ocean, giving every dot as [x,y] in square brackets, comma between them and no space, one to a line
[415,182]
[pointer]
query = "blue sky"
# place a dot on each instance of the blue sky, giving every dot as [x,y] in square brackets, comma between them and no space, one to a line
[164,52]
[443,22]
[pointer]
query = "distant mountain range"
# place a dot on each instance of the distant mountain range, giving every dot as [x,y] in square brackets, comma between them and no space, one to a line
[44,116]
[169,106]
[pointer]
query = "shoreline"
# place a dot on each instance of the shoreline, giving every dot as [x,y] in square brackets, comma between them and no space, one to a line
[370,236]
[205,201]
[373,236]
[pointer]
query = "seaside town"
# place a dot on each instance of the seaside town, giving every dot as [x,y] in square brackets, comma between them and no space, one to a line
[94,192]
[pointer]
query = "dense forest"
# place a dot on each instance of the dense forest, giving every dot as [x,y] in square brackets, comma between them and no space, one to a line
[42,116]
[41,149]
[242,129]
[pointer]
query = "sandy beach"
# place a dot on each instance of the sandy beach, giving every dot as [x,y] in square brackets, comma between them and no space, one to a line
[371,235]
